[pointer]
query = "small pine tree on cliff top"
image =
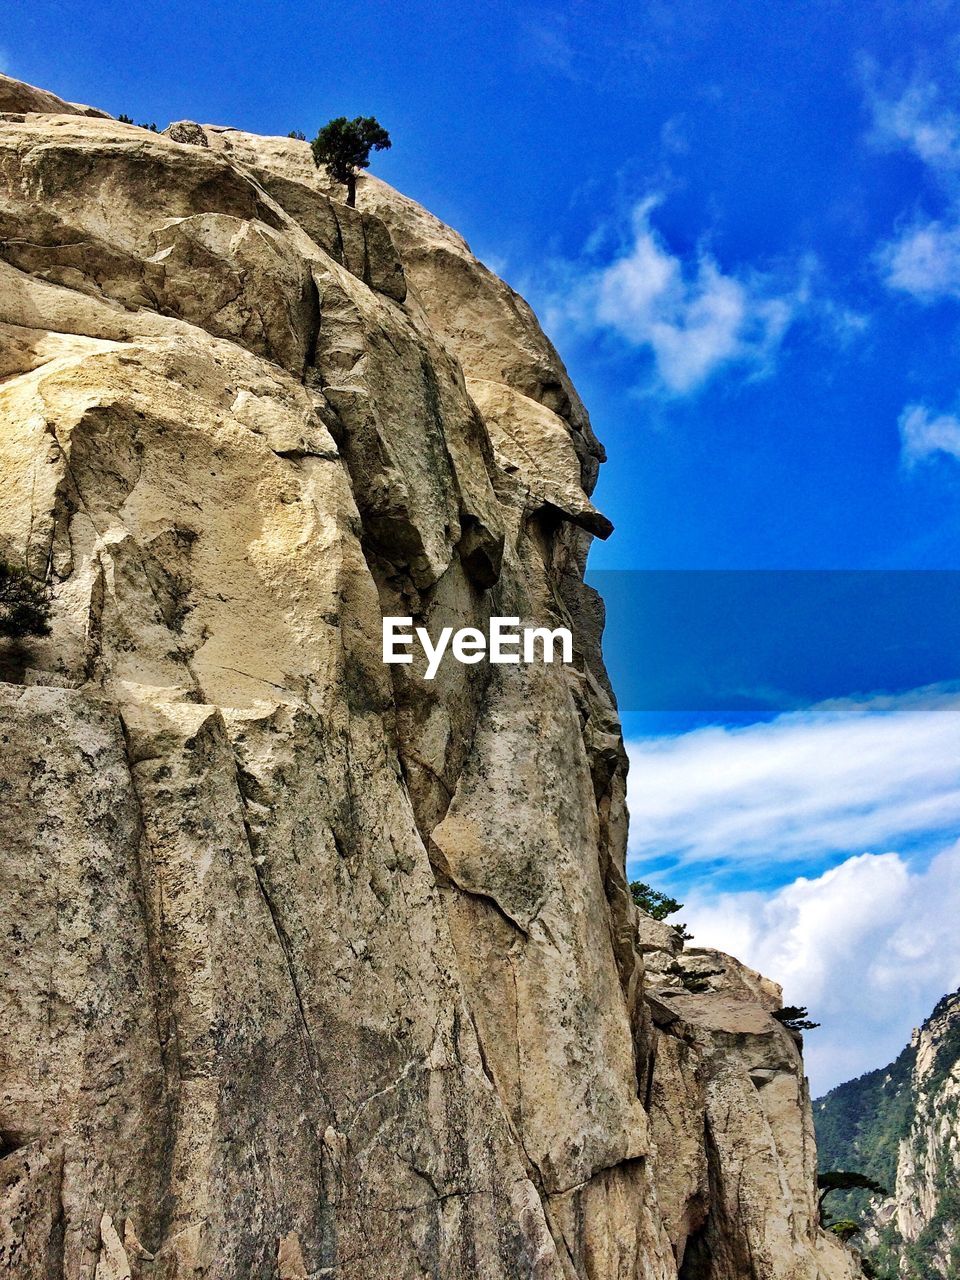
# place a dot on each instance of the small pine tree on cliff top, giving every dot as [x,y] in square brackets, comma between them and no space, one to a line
[343,148]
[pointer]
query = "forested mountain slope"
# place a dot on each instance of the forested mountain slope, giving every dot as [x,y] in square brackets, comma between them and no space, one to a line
[900,1126]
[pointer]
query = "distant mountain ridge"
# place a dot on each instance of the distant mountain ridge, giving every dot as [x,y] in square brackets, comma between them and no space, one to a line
[901,1126]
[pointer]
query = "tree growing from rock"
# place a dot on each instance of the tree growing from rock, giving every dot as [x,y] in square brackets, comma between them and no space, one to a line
[697,981]
[657,904]
[652,901]
[845,1229]
[846,1180]
[24,607]
[794,1017]
[343,148]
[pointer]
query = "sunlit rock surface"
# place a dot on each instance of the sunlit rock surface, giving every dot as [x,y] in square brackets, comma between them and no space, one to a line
[312,967]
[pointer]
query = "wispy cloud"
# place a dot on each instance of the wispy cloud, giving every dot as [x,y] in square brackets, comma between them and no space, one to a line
[869,946]
[924,434]
[923,258]
[918,120]
[673,135]
[547,44]
[843,776]
[691,315]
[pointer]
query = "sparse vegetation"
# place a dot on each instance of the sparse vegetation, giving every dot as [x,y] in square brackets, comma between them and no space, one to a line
[863,1121]
[794,1018]
[24,607]
[125,119]
[657,904]
[343,148]
[697,982]
[298,135]
[845,1229]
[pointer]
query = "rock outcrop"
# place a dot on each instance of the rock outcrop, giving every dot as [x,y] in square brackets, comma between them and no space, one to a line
[901,1126]
[314,967]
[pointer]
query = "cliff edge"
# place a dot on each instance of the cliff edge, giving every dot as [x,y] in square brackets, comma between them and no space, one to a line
[313,967]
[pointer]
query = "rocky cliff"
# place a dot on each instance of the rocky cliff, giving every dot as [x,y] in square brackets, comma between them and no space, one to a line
[313,967]
[901,1126]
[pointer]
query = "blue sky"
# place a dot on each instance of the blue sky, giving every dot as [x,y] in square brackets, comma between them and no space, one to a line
[761,158]
[741,225]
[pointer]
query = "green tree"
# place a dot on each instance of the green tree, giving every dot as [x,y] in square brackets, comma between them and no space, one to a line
[845,1229]
[657,904]
[697,981]
[343,148]
[846,1180]
[24,607]
[794,1017]
[652,901]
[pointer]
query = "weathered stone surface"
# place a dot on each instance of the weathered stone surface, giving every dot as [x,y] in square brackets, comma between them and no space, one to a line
[285,168]
[531,441]
[492,330]
[730,1115]
[311,966]
[17,97]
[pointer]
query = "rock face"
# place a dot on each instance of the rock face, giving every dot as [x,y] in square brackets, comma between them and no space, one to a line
[901,1126]
[313,967]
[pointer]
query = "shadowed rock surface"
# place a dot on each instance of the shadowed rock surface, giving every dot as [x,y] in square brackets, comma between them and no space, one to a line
[313,967]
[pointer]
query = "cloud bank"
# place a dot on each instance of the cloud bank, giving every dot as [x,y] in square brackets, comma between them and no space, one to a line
[869,944]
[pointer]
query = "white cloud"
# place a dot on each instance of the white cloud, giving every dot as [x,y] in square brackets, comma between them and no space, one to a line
[919,122]
[924,258]
[868,946]
[843,776]
[923,261]
[692,316]
[922,434]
